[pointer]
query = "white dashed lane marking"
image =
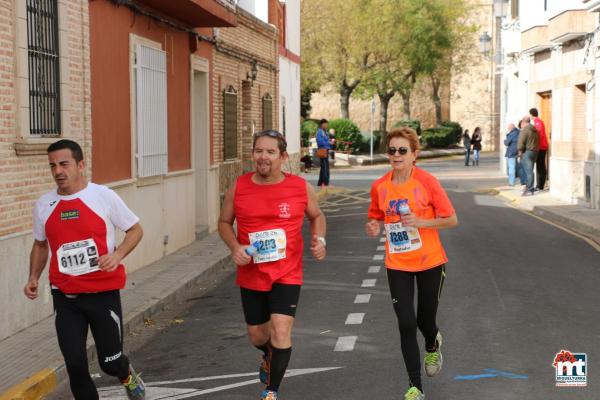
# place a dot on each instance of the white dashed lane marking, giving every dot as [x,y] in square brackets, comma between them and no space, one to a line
[380,248]
[362,298]
[345,343]
[355,318]
[382,240]
[374,269]
[378,257]
[368,283]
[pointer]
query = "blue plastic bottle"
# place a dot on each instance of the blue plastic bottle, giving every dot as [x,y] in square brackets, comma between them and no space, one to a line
[252,249]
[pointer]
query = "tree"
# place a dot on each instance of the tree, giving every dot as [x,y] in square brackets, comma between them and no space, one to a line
[334,47]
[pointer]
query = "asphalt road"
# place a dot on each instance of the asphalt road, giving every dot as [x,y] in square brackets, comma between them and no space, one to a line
[518,290]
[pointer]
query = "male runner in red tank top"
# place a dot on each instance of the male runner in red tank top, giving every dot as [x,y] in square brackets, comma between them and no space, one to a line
[269,206]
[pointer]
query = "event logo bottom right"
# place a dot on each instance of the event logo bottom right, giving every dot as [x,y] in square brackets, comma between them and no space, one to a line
[571,368]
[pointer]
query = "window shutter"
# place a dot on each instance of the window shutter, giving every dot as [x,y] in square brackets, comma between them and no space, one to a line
[267,111]
[230,122]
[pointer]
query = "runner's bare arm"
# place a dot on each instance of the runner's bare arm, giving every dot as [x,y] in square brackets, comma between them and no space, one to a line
[318,224]
[373,227]
[110,262]
[435,223]
[226,220]
[37,263]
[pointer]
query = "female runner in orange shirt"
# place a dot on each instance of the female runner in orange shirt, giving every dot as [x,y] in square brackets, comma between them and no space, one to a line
[413,206]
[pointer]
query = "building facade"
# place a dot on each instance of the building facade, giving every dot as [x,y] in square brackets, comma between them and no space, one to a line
[45,93]
[550,64]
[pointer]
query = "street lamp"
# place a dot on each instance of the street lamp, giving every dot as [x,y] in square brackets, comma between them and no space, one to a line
[485,44]
[253,73]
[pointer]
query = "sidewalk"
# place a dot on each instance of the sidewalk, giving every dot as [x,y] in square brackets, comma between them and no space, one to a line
[32,365]
[342,159]
[577,218]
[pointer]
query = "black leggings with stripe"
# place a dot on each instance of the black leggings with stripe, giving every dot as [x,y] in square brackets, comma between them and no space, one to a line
[429,289]
[101,313]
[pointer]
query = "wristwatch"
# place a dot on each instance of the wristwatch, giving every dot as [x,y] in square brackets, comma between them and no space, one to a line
[322,240]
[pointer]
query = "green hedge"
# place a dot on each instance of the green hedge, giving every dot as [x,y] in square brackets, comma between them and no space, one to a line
[307,130]
[347,131]
[457,130]
[412,123]
[440,137]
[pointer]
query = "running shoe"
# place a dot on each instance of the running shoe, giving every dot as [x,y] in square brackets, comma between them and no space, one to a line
[414,394]
[434,360]
[134,385]
[269,395]
[265,369]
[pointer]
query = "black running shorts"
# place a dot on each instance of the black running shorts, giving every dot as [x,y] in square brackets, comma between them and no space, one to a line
[258,305]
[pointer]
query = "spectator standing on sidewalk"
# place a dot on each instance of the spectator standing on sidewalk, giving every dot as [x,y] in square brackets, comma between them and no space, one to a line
[527,146]
[467,144]
[511,140]
[332,143]
[541,171]
[323,147]
[476,143]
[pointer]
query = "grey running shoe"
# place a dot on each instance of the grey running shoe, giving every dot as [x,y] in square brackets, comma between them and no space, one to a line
[414,394]
[134,385]
[433,360]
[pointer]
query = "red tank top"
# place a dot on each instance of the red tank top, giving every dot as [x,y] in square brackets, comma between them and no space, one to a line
[261,210]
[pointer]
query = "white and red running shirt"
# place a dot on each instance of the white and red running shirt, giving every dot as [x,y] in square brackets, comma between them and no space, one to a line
[79,229]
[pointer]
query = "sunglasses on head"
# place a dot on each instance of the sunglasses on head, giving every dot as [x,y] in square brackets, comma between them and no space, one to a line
[401,150]
[270,133]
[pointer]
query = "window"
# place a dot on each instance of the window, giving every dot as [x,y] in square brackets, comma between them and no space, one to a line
[43,71]
[151,111]
[283,116]
[515,9]
[230,122]
[267,111]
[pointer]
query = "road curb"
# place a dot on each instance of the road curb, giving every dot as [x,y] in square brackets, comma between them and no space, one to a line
[34,387]
[47,380]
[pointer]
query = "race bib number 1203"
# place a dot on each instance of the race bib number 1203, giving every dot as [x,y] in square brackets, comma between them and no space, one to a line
[270,245]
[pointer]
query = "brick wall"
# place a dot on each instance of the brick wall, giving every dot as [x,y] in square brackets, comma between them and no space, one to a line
[23,178]
[252,39]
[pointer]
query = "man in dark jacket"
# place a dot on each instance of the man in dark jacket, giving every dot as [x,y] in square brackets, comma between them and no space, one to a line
[512,138]
[527,146]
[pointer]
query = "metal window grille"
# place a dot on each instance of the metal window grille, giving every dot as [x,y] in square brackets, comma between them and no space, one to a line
[515,9]
[230,122]
[267,112]
[44,74]
[151,111]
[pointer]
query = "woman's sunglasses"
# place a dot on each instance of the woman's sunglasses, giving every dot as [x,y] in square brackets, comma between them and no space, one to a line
[401,150]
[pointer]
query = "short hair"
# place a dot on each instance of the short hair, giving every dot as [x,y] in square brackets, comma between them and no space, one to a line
[323,121]
[67,144]
[534,112]
[281,142]
[406,133]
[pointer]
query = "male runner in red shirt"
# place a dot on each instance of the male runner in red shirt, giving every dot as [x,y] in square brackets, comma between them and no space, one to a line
[269,206]
[76,224]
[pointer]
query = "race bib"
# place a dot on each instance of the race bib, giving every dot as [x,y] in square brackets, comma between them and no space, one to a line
[78,258]
[402,239]
[270,245]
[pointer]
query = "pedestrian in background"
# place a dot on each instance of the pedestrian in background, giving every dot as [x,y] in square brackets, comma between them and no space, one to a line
[467,145]
[511,140]
[476,143]
[527,146]
[323,147]
[332,143]
[413,206]
[541,171]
